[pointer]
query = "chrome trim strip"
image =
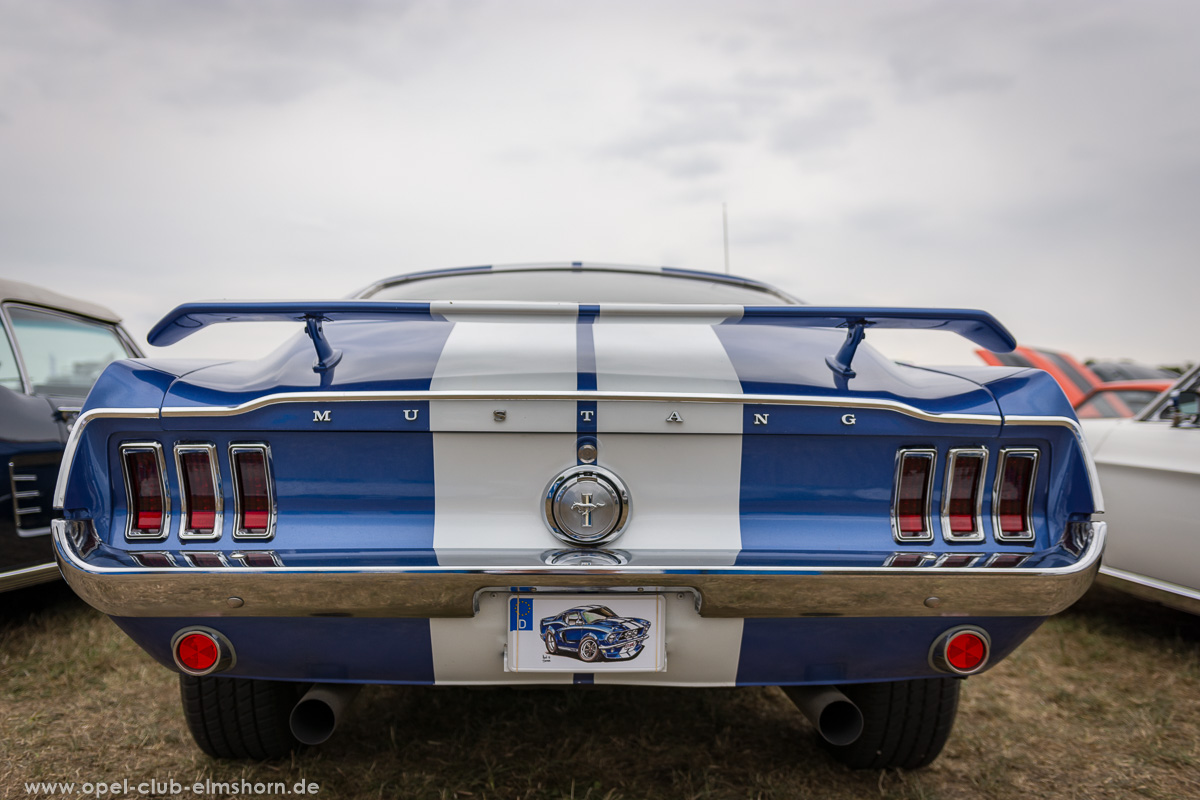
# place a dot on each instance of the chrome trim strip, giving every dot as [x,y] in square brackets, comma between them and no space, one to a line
[1001,461]
[901,454]
[60,489]
[438,591]
[673,397]
[28,576]
[240,533]
[186,533]
[157,449]
[1152,589]
[947,534]
[68,459]
[1089,462]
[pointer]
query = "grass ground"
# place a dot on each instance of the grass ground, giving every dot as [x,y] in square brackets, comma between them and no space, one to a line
[1102,702]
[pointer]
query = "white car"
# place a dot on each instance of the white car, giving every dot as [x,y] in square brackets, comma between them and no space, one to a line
[1150,474]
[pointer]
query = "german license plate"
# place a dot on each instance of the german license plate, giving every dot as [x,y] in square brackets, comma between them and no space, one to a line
[586,633]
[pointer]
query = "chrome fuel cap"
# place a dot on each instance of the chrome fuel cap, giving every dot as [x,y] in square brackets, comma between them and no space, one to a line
[586,505]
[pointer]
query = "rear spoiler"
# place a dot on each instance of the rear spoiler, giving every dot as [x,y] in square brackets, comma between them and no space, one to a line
[978,326]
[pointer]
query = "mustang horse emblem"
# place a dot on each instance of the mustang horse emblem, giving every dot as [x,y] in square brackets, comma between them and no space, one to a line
[585,509]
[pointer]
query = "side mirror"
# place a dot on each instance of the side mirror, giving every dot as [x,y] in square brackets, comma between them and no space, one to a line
[1184,406]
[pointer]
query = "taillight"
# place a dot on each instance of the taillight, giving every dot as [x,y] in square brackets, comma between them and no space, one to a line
[963,497]
[149,504]
[199,491]
[961,651]
[201,651]
[254,516]
[910,502]
[1013,504]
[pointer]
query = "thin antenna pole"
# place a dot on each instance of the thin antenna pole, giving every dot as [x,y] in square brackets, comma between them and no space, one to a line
[725,228]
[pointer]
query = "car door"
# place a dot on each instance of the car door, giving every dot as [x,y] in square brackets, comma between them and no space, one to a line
[1150,474]
[48,361]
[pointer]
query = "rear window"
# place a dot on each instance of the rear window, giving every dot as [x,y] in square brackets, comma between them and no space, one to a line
[577,286]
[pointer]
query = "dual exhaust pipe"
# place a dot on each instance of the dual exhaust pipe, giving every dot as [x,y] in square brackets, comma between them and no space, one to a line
[316,716]
[838,720]
[835,716]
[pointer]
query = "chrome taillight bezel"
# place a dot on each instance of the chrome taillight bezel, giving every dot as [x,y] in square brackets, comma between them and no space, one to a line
[980,487]
[186,533]
[1029,533]
[239,531]
[902,454]
[133,533]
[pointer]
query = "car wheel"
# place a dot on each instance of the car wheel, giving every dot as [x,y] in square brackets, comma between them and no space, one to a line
[589,649]
[240,718]
[551,645]
[905,723]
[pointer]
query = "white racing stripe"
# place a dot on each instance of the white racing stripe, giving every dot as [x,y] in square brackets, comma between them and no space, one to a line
[685,490]
[488,483]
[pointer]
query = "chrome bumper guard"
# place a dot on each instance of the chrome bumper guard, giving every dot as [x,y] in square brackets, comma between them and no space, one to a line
[442,591]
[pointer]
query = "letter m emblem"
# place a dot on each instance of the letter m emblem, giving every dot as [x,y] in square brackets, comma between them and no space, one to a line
[322,416]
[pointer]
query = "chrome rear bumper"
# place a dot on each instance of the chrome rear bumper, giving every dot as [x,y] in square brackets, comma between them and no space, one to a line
[442,591]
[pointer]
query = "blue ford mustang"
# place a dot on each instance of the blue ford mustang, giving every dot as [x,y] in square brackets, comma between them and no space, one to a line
[594,632]
[386,497]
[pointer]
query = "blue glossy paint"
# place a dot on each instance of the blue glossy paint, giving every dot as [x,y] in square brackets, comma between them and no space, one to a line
[843,650]
[306,648]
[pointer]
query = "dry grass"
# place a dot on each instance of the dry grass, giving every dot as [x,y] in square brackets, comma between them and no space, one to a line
[1103,702]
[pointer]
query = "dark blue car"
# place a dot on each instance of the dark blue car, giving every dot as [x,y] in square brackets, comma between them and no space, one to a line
[594,633]
[362,505]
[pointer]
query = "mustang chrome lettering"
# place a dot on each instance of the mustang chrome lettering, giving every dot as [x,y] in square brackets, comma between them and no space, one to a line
[587,415]
[499,415]
[761,419]
[410,414]
[674,417]
[322,416]
[848,419]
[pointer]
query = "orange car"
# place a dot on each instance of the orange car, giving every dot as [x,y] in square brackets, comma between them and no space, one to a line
[1090,396]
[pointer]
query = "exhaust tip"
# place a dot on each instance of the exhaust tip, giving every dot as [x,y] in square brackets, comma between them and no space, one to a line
[312,721]
[840,723]
[316,716]
[837,719]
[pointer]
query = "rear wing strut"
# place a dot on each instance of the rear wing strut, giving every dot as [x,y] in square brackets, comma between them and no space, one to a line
[978,326]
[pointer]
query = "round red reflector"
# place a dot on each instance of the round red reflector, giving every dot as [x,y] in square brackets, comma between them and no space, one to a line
[966,651]
[198,652]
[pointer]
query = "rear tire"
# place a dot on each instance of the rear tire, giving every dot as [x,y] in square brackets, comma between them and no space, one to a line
[238,717]
[905,723]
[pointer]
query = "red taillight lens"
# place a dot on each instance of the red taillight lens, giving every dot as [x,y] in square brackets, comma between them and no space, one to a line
[966,651]
[963,490]
[1014,494]
[254,495]
[198,652]
[911,509]
[961,651]
[146,492]
[199,489]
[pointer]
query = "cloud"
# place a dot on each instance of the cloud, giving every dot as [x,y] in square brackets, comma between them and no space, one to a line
[829,125]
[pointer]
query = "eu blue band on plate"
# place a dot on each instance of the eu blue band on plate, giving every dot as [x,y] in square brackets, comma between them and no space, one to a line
[520,614]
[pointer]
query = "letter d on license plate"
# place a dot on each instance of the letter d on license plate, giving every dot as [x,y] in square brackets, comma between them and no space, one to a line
[586,633]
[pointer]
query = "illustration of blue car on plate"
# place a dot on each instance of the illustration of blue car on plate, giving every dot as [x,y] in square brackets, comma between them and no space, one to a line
[594,633]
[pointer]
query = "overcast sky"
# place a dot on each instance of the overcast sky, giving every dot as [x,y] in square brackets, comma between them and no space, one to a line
[1040,160]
